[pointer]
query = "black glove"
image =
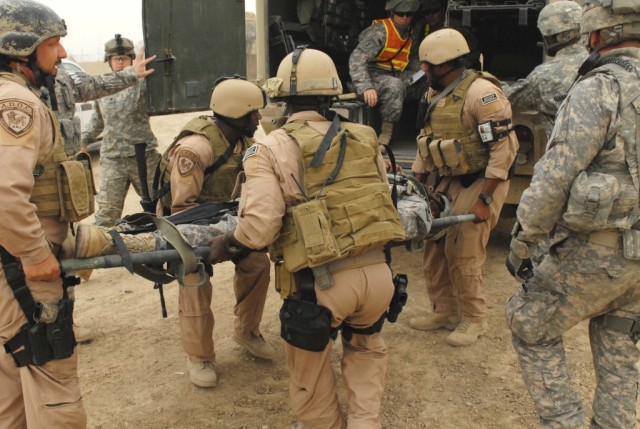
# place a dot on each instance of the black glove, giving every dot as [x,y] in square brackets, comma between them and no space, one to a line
[519,260]
[224,247]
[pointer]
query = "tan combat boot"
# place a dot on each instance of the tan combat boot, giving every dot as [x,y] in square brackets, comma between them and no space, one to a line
[202,374]
[386,131]
[432,321]
[256,345]
[467,332]
[92,240]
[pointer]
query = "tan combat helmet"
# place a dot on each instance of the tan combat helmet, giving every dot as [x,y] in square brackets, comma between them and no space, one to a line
[119,46]
[234,97]
[305,72]
[402,6]
[25,24]
[442,46]
[617,20]
[559,23]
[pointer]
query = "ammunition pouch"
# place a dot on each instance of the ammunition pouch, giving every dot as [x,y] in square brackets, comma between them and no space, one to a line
[591,200]
[317,244]
[305,325]
[423,148]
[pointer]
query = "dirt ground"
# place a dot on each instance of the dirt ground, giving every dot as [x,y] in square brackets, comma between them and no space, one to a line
[133,373]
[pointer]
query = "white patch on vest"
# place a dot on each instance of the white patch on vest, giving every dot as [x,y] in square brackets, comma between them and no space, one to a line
[488,99]
[16,117]
[250,152]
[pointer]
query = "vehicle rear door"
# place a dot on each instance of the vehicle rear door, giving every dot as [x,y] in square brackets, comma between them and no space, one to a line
[196,42]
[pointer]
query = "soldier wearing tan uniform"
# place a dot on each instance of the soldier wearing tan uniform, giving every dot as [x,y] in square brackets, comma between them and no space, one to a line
[312,172]
[201,166]
[38,364]
[467,139]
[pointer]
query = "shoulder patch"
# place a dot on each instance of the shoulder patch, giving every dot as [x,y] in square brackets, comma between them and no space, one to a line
[186,161]
[250,152]
[16,116]
[488,99]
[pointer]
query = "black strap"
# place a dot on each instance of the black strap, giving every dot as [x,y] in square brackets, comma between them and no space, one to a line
[222,160]
[334,129]
[15,277]
[122,248]
[622,324]
[348,330]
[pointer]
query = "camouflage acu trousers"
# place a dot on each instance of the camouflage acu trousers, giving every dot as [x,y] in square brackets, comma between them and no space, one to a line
[391,94]
[116,175]
[578,280]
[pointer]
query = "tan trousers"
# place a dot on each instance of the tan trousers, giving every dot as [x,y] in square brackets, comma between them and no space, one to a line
[44,397]
[359,296]
[250,284]
[453,265]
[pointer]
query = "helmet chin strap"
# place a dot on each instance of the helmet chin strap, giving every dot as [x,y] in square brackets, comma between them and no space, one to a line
[41,78]
[242,129]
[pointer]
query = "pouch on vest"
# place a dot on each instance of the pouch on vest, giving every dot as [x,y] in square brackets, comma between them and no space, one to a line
[423,148]
[590,201]
[434,153]
[454,156]
[284,281]
[305,325]
[631,244]
[76,189]
[314,230]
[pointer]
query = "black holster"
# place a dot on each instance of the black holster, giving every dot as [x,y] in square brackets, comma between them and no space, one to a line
[38,343]
[399,299]
[303,323]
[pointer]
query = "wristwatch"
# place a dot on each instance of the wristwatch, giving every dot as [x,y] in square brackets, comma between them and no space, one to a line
[486,198]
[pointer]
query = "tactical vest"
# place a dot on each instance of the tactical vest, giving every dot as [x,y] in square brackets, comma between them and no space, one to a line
[63,187]
[219,184]
[395,52]
[344,217]
[448,148]
[607,194]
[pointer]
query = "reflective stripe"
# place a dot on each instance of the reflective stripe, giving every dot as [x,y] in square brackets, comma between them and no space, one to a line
[389,58]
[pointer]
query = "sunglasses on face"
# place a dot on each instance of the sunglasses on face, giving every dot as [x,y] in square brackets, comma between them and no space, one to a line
[403,14]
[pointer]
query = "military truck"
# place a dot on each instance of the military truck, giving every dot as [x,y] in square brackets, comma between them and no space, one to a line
[199,40]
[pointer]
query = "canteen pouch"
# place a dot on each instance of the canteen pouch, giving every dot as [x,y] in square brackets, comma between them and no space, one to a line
[423,148]
[434,152]
[305,325]
[590,201]
[313,227]
[76,189]
[631,244]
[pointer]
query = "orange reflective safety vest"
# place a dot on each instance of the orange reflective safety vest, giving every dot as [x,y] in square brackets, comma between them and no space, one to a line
[395,53]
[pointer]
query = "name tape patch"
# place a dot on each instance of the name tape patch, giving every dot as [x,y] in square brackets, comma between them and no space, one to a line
[488,99]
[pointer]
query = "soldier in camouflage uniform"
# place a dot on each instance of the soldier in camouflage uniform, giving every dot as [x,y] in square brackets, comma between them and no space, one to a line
[72,88]
[543,89]
[380,65]
[125,122]
[584,197]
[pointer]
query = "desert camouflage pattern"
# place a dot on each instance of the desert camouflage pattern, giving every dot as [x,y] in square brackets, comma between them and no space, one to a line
[74,88]
[579,277]
[392,88]
[24,24]
[123,118]
[544,88]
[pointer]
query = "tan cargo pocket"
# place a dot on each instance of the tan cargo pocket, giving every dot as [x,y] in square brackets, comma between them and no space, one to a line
[314,230]
[590,201]
[631,244]
[75,189]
